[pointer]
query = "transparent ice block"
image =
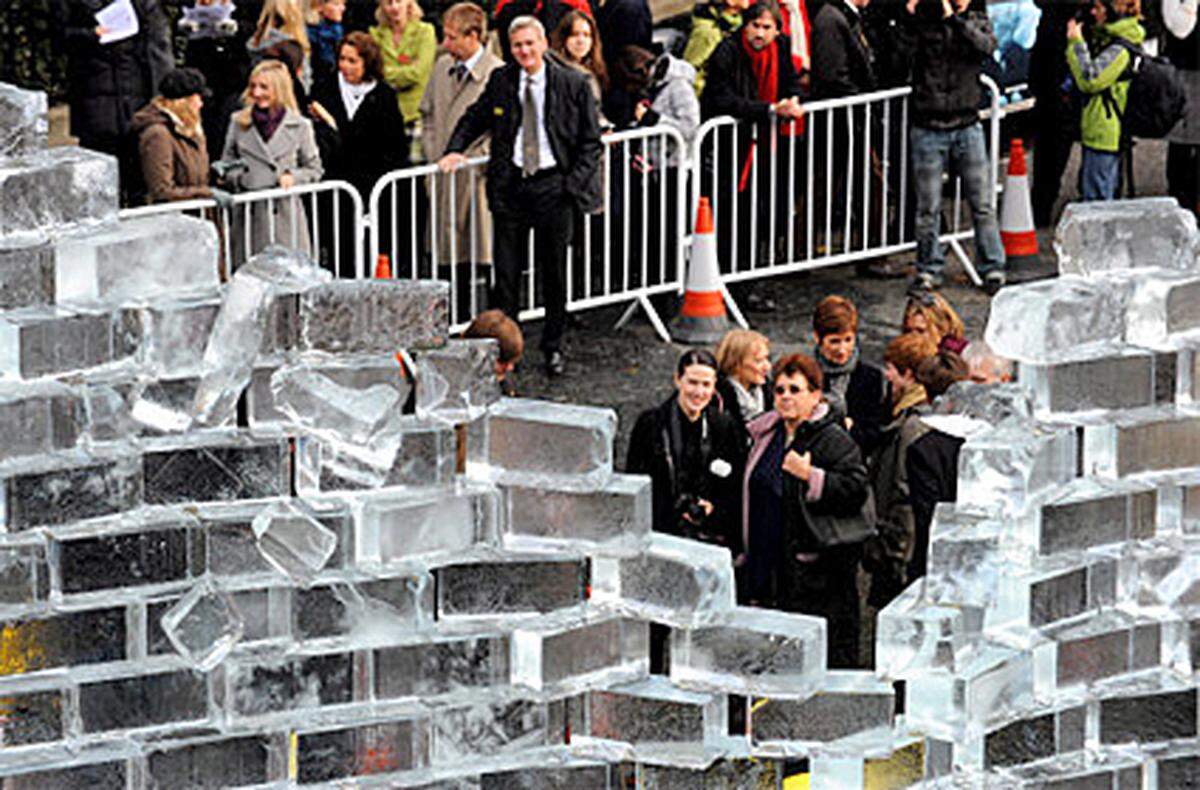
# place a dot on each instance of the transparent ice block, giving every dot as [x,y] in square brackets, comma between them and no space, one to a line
[566,654]
[616,517]
[239,330]
[505,589]
[65,487]
[457,382]
[54,188]
[204,626]
[751,651]
[850,715]
[50,341]
[1116,235]
[142,258]
[24,122]
[1147,441]
[1162,311]
[424,523]
[653,722]
[293,540]
[176,334]
[991,404]
[374,316]
[40,418]
[1005,469]
[673,580]
[26,273]
[552,445]
[1061,320]
[1125,381]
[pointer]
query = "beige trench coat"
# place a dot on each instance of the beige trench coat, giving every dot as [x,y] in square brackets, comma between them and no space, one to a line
[292,149]
[444,102]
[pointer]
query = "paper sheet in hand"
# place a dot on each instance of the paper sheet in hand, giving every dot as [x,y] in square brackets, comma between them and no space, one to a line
[120,19]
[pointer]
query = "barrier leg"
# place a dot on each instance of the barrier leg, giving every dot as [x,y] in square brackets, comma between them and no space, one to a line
[733,308]
[960,253]
[643,301]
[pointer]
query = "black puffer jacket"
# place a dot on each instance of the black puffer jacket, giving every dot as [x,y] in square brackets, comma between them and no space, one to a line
[947,56]
[108,83]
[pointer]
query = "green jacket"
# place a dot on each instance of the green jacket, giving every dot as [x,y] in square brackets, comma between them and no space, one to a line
[1104,76]
[408,64]
[710,25]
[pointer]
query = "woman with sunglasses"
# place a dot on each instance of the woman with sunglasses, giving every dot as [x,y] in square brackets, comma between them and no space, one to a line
[807,509]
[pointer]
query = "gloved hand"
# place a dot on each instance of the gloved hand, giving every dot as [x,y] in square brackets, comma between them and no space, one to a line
[223,198]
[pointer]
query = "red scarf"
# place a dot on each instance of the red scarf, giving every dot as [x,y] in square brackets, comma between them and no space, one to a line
[765,64]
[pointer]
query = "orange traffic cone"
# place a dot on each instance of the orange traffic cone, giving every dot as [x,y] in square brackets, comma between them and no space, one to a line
[1017,230]
[383,267]
[702,319]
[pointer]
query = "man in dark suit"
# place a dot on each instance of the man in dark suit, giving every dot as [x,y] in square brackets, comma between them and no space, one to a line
[544,167]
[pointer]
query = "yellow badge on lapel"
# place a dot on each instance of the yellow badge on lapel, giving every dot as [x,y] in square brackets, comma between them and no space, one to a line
[498,111]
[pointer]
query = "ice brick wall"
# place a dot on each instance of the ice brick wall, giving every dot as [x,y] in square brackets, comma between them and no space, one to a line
[1052,642]
[229,557]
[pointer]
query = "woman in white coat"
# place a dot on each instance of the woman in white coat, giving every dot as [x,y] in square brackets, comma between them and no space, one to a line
[277,147]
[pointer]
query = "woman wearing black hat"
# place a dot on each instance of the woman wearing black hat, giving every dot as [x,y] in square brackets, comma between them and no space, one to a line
[171,142]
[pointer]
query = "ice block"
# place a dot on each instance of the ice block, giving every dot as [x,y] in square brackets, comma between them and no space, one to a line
[139,259]
[674,580]
[1118,235]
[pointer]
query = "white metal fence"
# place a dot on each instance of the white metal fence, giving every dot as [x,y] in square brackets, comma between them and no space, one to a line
[629,251]
[831,190]
[324,219]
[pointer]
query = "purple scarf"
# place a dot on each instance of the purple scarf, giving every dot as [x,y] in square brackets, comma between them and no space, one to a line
[267,121]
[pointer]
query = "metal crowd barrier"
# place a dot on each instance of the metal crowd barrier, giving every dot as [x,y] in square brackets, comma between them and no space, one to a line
[833,191]
[324,219]
[629,251]
[828,190]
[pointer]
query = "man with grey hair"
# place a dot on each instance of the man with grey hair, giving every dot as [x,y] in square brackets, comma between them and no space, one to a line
[544,167]
[984,366]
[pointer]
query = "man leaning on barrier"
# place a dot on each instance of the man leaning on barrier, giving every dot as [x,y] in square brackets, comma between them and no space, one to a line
[544,165]
[752,78]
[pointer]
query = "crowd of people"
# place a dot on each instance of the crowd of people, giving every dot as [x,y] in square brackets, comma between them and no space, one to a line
[814,465]
[299,92]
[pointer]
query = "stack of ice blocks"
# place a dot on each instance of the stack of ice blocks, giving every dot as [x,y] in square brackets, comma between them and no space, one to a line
[1053,641]
[283,530]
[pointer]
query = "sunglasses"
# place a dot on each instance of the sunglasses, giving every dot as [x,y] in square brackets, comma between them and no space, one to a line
[794,389]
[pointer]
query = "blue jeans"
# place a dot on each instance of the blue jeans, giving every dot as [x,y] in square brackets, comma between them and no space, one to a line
[1099,174]
[961,151]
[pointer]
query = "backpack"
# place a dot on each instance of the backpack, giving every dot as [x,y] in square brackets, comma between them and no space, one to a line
[1156,99]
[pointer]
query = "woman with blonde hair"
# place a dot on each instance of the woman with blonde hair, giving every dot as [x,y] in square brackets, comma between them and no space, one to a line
[408,46]
[279,22]
[277,147]
[171,143]
[744,364]
[929,313]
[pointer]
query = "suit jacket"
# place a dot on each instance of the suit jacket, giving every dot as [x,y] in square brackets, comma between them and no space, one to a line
[572,126]
[445,101]
[842,64]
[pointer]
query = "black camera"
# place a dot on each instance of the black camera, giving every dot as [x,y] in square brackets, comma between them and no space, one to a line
[691,513]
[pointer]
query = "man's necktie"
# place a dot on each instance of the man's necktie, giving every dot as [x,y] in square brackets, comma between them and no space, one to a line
[529,132]
[459,71]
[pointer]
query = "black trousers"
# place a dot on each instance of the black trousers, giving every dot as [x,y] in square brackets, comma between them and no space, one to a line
[536,204]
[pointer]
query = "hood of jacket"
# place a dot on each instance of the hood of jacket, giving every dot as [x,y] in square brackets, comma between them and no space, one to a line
[153,114]
[1127,28]
[678,70]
